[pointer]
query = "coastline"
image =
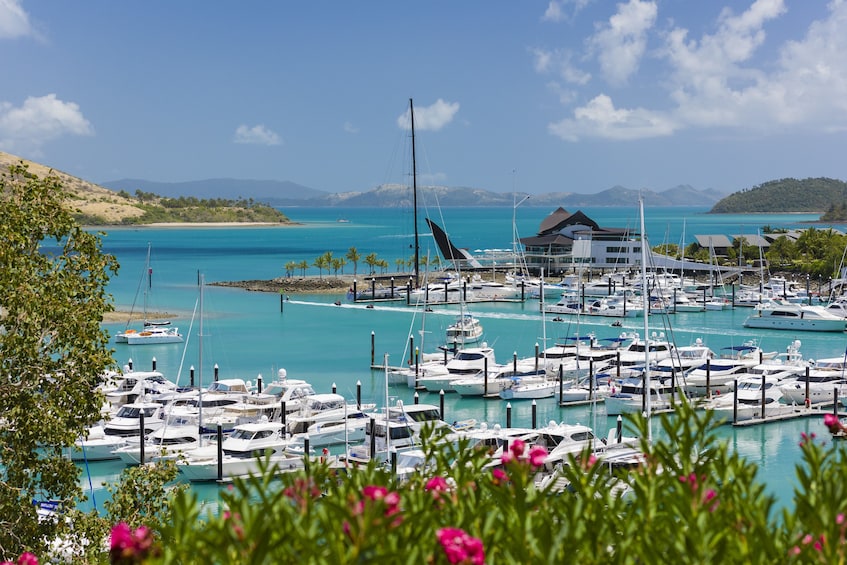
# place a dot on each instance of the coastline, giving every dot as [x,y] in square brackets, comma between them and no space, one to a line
[194,225]
[123,316]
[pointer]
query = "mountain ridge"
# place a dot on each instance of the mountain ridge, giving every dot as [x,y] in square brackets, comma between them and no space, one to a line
[287,193]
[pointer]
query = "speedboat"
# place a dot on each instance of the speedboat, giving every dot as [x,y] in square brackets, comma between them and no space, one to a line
[132,385]
[401,428]
[630,361]
[96,445]
[127,421]
[240,454]
[792,316]
[180,433]
[717,376]
[464,330]
[823,386]
[685,358]
[630,397]
[326,408]
[468,361]
[497,381]
[755,397]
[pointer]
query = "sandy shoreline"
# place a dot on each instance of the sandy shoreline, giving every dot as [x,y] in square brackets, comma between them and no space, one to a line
[123,316]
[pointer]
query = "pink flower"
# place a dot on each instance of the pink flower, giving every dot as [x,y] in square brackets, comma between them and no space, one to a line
[499,476]
[437,484]
[378,494]
[537,455]
[459,547]
[27,558]
[517,447]
[507,457]
[832,422]
[374,492]
[121,537]
[839,519]
[126,546]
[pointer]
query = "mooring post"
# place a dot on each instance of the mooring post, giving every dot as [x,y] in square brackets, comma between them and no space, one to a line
[141,437]
[534,414]
[735,401]
[441,404]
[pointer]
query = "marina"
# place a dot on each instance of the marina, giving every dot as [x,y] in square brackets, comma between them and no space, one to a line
[334,343]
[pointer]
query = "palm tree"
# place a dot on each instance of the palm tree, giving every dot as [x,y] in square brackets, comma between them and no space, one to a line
[337,263]
[371,261]
[353,256]
[290,267]
[303,265]
[321,263]
[401,264]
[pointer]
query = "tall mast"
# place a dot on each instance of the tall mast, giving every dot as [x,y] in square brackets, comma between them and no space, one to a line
[645,296]
[415,194]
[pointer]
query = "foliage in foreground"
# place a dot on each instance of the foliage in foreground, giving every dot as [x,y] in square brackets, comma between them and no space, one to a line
[690,501]
[53,351]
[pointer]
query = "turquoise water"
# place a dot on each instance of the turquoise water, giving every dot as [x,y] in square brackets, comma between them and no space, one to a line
[246,334]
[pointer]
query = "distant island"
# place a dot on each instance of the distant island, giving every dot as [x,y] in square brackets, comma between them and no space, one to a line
[99,206]
[140,202]
[286,193]
[813,195]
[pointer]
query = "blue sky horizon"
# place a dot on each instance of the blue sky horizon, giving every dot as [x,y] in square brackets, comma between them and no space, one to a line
[537,97]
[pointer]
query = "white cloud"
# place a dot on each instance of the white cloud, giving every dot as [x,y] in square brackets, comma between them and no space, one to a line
[621,43]
[731,78]
[39,120]
[556,10]
[712,82]
[14,21]
[257,135]
[600,118]
[431,118]
[350,128]
[559,62]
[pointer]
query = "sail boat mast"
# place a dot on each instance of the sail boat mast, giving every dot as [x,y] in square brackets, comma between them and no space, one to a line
[415,194]
[645,295]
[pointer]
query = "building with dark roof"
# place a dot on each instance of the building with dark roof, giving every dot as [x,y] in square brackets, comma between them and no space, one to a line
[567,240]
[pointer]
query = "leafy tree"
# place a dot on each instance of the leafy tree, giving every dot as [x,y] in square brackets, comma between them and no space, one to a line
[781,252]
[303,265]
[53,277]
[371,261]
[353,256]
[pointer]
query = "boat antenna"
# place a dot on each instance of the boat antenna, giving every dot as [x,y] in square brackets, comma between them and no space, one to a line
[415,194]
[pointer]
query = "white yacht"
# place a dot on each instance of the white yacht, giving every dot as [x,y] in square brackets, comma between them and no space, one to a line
[751,400]
[241,453]
[795,317]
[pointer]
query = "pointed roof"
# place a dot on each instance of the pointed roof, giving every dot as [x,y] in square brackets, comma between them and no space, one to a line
[561,218]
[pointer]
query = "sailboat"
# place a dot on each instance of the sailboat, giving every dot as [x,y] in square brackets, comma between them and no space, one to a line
[152,332]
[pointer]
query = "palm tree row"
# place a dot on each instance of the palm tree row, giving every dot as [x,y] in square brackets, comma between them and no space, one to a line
[329,263]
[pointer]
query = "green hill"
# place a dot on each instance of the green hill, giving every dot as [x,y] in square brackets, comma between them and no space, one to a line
[785,195]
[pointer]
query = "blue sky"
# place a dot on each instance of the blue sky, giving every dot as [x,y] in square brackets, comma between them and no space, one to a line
[535,96]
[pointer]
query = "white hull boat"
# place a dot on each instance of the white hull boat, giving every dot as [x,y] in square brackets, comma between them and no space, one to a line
[795,317]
